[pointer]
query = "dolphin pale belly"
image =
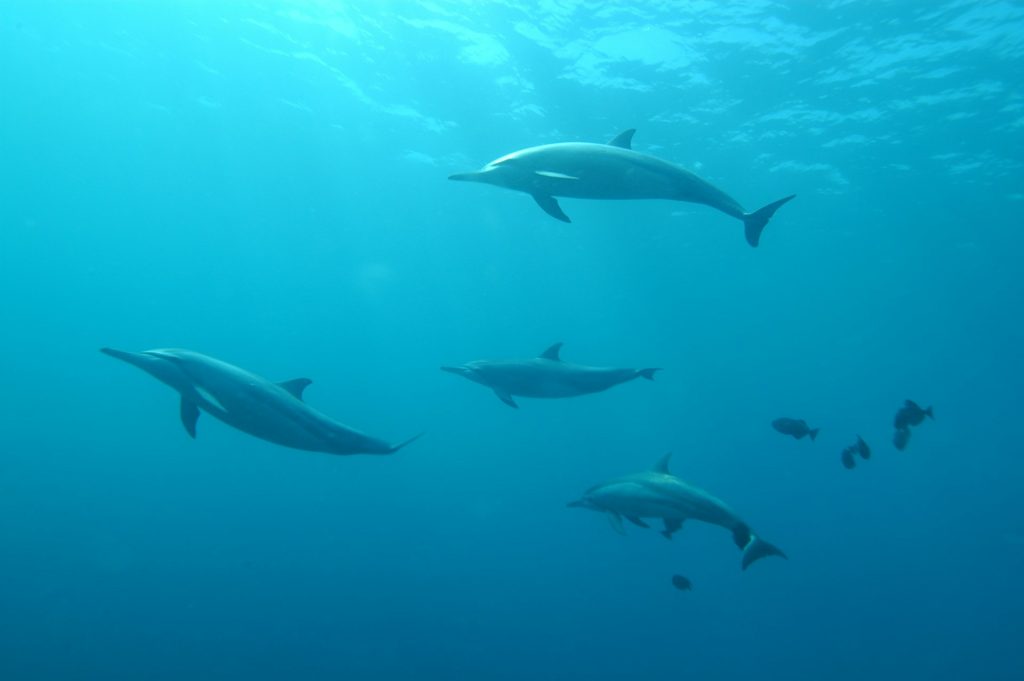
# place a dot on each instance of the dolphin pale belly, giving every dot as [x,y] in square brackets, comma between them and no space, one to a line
[660,495]
[585,170]
[270,411]
[544,376]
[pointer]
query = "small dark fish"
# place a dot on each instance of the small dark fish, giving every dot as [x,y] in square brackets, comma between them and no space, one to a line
[797,428]
[848,461]
[862,448]
[911,414]
[900,438]
[681,583]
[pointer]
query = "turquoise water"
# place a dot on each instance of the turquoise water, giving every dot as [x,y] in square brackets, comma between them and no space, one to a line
[267,183]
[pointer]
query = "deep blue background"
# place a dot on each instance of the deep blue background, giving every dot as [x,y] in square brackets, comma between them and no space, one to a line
[266,183]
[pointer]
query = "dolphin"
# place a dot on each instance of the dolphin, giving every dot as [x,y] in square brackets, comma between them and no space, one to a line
[584,170]
[659,494]
[544,376]
[270,411]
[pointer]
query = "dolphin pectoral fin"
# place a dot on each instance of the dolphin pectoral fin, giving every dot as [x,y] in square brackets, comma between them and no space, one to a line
[616,522]
[296,386]
[550,206]
[624,139]
[637,521]
[506,398]
[552,174]
[753,223]
[671,527]
[189,416]
[759,548]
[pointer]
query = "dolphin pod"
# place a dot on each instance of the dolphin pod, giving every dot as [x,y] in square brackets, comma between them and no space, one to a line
[277,413]
[585,170]
[658,494]
[544,376]
[270,411]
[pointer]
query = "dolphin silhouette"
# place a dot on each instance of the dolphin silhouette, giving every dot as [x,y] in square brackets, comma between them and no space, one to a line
[544,376]
[270,411]
[659,494]
[585,170]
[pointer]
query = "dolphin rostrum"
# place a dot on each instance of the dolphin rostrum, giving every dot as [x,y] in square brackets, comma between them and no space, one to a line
[584,170]
[270,411]
[659,494]
[544,376]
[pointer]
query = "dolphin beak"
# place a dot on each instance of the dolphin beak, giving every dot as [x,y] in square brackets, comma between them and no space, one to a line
[120,354]
[575,504]
[461,371]
[466,177]
[139,359]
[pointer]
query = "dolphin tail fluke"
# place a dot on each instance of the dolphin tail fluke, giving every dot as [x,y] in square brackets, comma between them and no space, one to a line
[648,373]
[753,223]
[813,432]
[929,413]
[395,448]
[758,548]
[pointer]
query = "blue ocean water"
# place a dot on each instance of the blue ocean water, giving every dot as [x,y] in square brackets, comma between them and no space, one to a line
[266,182]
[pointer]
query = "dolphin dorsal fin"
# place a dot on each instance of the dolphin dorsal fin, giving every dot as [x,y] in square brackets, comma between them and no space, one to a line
[552,352]
[662,465]
[295,386]
[624,139]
